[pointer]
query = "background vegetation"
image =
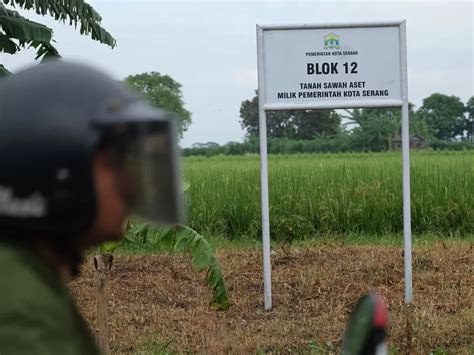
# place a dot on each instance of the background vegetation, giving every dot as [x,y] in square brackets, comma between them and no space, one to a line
[442,122]
[314,194]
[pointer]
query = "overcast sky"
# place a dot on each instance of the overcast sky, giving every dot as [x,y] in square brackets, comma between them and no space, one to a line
[210,48]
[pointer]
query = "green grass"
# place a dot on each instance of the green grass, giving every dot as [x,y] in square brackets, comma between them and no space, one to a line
[156,345]
[313,195]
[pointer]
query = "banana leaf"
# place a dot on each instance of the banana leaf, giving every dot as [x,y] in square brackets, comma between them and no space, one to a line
[110,247]
[3,71]
[7,45]
[18,27]
[75,12]
[182,239]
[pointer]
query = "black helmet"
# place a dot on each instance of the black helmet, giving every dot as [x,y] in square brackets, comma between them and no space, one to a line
[52,119]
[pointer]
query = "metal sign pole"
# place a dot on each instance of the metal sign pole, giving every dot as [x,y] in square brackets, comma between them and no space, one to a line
[406,206]
[267,278]
[406,168]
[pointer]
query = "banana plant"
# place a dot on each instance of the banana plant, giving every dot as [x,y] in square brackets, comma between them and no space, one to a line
[176,239]
[179,239]
[173,239]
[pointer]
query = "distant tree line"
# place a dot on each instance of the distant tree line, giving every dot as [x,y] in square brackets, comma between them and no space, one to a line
[442,122]
[338,144]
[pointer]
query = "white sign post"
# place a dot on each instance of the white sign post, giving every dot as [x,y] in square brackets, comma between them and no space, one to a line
[332,66]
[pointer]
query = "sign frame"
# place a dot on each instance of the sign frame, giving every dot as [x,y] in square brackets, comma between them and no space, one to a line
[359,103]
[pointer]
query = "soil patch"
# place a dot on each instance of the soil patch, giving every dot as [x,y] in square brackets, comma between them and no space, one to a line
[157,303]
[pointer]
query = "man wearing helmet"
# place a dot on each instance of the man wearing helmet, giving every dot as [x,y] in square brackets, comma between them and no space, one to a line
[78,154]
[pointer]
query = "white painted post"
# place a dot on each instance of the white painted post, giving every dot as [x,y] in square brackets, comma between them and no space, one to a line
[267,278]
[406,168]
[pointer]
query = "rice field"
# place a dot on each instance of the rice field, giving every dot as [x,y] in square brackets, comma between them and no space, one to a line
[328,194]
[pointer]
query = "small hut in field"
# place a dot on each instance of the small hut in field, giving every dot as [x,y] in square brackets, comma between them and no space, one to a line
[416,142]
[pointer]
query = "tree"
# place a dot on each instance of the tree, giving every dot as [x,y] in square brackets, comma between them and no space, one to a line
[17,32]
[444,116]
[374,128]
[470,118]
[304,124]
[419,126]
[164,92]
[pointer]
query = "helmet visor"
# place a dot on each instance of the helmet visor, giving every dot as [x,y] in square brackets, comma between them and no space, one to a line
[144,146]
[147,164]
[151,167]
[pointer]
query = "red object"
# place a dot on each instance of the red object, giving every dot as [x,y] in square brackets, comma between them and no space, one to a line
[380,317]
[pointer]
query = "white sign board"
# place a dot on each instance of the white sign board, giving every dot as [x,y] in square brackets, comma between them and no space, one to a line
[332,67]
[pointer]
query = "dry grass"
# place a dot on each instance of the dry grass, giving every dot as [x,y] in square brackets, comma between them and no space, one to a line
[158,304]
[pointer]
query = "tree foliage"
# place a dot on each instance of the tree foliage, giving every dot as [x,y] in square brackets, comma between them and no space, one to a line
[374,128]
[470,108]
[18,32]
[441,118]
[304,124]
[444,116]
[164,92]
[370,129]
[470,118]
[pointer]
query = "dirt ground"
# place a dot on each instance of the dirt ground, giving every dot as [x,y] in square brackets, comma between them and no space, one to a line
[157,303]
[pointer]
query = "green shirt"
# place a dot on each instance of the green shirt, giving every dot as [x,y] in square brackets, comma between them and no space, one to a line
[37,313]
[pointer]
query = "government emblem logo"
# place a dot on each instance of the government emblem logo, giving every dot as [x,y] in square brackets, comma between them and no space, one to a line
[332,41]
